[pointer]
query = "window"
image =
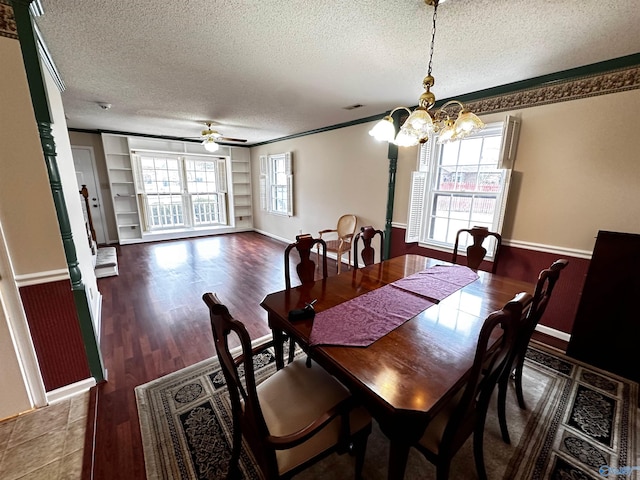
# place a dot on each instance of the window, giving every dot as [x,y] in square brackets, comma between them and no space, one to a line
[276,184]
[462,184]
[180,191]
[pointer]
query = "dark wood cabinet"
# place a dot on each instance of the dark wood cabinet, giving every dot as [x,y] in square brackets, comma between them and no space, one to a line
[607,324]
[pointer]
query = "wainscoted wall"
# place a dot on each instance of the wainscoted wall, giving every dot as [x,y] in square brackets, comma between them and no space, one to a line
[53,321]
[524,264]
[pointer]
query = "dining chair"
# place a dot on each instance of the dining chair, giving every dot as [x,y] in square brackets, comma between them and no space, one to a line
[306,268]
[466,412]
[541,295]
[476,251]
[344,232]
[368,253]
[293,418]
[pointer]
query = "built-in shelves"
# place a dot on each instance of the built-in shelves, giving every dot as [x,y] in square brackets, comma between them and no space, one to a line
[123,192]
[119,151]
[241,178]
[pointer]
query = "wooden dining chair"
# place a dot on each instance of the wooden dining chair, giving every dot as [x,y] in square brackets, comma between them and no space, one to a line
[476,251]
[306,268]
[344,232]
[293,418]
[466,412]
[368,253]
[542,294]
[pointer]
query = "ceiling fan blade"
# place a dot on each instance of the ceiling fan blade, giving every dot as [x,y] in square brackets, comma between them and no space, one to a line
[228,139]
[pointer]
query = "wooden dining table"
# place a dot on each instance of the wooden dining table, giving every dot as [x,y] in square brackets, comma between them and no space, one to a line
[408,375]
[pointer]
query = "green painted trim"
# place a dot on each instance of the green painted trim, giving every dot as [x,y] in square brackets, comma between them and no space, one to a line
[159,137]
[55,182]
[551,79]
[399,118]
[372,118]
[42,112]
[31,60]
[541,81]
[91,347]
[391,193]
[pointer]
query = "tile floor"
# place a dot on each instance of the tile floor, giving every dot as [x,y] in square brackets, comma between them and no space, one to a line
[46,443]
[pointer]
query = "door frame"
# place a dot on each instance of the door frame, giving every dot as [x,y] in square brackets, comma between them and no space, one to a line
[17,322]
[96,178]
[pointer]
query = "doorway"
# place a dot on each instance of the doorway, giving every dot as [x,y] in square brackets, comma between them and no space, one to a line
[85,165]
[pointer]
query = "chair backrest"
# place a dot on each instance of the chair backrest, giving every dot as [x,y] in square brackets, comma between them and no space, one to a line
[368,252]
[476,252]
[541,295]
[489,362]
[347,226]
[240,377]
[306,269]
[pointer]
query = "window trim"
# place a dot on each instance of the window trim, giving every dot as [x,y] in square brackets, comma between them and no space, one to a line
[185,195]
[266,166]
[423,179]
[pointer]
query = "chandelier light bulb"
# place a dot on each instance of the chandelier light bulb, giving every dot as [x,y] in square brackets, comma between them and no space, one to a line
[384,130]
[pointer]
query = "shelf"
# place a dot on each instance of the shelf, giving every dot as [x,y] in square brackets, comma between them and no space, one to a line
[121,182]
[127,201]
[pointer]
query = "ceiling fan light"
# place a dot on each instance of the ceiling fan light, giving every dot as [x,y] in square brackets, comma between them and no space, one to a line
[384,130]
[210,145]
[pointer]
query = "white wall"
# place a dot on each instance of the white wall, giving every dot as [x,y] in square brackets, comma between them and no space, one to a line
[336,172]
[31,239]
[576,172]
[72,196]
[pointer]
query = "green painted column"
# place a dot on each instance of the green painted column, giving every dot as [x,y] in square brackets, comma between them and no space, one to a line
[43,118]
[398,117]
[391,191]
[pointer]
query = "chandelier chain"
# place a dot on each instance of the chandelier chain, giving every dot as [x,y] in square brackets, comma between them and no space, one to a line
[433,37]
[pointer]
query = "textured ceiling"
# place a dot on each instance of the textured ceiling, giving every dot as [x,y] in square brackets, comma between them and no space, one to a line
[267,69]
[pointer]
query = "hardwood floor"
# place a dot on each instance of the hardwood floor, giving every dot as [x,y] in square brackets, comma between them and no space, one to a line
[154,322]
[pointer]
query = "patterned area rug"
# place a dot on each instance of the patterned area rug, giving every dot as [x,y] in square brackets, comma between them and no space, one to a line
[581,423]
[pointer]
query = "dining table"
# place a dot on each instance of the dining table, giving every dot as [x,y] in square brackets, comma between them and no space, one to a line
[403,370]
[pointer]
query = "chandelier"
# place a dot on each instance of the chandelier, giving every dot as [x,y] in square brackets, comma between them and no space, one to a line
[450,122]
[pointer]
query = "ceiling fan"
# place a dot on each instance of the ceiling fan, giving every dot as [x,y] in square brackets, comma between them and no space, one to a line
[211,137]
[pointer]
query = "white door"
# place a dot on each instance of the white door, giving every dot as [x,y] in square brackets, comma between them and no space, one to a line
[86,174]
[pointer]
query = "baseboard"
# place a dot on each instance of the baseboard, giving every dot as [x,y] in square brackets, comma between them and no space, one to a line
[330,255]
[552,332]
[67,391]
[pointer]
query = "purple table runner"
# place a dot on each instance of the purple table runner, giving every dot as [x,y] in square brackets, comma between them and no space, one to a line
[362,320]
[437,283]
